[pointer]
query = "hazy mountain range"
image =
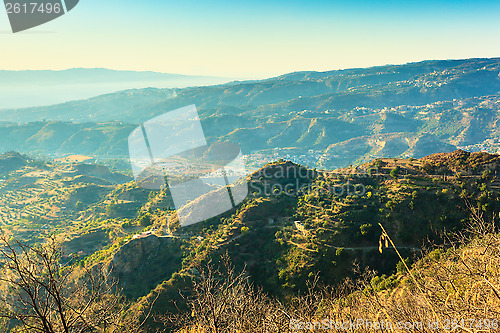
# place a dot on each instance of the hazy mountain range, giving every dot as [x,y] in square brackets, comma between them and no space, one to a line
[283,240]
[45,87]
[324,119]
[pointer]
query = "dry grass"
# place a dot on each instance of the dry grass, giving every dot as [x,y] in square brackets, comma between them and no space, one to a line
[457,288]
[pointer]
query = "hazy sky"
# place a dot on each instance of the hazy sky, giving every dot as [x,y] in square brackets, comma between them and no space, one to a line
[254,39]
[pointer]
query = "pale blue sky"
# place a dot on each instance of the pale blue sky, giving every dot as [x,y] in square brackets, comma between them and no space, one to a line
[254,39]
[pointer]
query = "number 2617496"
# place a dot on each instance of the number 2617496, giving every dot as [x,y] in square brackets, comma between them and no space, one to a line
[33,8]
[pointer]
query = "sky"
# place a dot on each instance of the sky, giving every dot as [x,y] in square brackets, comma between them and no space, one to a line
[253,39]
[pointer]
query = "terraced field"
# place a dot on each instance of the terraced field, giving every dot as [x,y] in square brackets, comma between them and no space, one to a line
[38,199]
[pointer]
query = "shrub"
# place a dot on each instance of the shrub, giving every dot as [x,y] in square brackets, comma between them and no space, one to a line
[145,220]
[395,172]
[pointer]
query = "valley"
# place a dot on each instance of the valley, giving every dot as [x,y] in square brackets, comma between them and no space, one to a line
[321,119]
[336,163]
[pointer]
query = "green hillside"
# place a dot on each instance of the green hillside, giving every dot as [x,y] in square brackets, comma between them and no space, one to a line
[298,225]
[283,238]
[39,199]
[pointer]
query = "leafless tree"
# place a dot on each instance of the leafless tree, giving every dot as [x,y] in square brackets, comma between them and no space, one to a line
[41,294]
[224,300]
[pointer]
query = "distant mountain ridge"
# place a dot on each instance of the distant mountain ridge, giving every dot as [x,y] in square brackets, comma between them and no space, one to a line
[45,87]
[80,75]
[328,119]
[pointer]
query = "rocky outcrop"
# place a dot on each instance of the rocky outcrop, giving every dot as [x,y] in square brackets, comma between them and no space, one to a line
[142,263]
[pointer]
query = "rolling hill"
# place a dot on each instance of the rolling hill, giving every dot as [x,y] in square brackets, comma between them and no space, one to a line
[285,240]
[297,225]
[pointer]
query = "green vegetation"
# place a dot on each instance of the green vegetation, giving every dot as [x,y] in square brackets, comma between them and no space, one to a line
[145,220]
[321,231]
[441,291]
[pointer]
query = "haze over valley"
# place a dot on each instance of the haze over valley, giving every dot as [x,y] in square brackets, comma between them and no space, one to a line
[20,89]
[321,119]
